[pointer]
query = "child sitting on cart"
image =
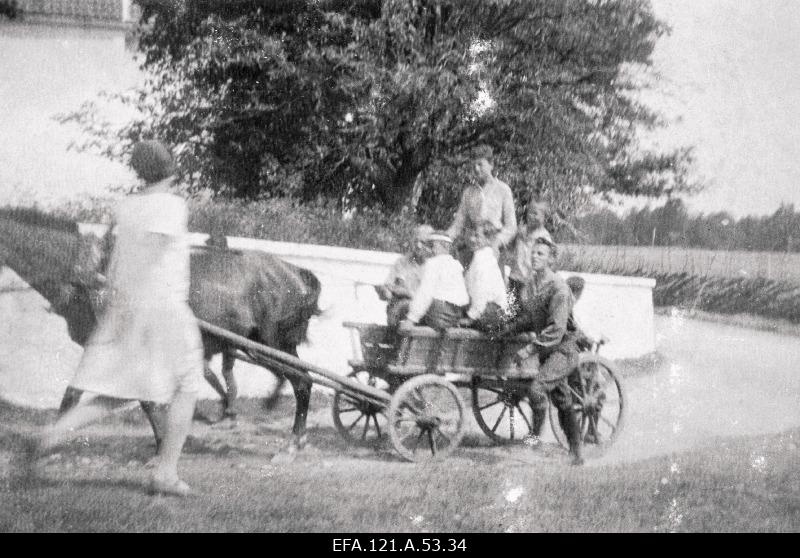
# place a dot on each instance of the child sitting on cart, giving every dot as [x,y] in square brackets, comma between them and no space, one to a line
[404,277]
[442,296]
[489,308]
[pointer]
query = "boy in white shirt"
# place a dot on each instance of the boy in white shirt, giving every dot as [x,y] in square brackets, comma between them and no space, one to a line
[440,299]
[488,310]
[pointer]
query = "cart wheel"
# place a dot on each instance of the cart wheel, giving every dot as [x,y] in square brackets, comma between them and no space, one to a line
[601,402]
[426,418]
[360,422]
[502,409]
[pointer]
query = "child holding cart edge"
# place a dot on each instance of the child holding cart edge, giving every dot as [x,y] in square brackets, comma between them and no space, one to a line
[404,278]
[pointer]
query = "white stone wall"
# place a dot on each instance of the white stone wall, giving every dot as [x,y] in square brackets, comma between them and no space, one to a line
[621,308]
[38,358]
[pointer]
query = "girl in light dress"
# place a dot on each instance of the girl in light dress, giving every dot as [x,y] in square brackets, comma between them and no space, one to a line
[147,345]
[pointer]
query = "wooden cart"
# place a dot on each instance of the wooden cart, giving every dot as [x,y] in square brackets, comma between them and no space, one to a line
[423,369]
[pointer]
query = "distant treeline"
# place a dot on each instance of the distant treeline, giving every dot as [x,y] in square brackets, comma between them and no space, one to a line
[672,225]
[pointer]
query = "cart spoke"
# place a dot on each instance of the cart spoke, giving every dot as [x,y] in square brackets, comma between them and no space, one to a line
[366,429]
[377,426]
[492,404]
[432,441]
[593,428]
[499,418]
[355,422]
[408,407]
[525,418]
[576,394]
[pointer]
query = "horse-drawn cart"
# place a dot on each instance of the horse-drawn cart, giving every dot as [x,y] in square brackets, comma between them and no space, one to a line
[407,386]
[423,370]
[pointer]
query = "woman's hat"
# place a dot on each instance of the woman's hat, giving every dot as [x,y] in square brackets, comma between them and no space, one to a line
[152,161]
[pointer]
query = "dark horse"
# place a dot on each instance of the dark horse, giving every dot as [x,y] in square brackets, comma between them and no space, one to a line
[253,294]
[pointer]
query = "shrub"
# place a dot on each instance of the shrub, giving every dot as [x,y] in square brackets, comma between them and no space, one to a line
[277,219]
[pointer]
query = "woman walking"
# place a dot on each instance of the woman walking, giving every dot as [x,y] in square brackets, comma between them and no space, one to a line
[147,345]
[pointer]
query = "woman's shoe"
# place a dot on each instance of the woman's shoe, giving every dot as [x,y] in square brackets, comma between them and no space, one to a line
[169,488]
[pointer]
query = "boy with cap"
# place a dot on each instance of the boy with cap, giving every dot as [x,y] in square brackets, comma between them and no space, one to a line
[442,295]
[404,277]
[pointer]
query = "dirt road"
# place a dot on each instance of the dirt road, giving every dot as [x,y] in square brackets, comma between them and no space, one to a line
[718,381]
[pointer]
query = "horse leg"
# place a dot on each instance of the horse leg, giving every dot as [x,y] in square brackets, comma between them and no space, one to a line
[271,401]
[302,395]
[152,410]
[73,395]
[214,382]
[228,360]
[212,379]
[70,399]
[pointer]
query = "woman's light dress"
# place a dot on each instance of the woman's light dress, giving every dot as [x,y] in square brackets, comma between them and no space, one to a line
[147,344]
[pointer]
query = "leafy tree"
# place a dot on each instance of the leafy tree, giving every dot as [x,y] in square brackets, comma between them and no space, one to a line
[379,102]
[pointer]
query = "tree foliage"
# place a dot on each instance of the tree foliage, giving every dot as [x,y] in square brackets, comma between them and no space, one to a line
[378,102]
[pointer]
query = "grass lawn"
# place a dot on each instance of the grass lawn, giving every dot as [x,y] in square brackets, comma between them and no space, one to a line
[96,484]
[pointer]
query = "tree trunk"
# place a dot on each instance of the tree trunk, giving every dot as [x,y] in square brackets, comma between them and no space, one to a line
[399,193]
[416,193]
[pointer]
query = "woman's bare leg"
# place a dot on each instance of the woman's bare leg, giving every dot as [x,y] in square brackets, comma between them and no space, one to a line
[89,409]
[179,421]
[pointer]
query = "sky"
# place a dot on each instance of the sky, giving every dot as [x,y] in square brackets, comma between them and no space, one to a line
[729,86]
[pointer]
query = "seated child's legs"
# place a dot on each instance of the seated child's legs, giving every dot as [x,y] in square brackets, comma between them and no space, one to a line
[442,315]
